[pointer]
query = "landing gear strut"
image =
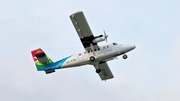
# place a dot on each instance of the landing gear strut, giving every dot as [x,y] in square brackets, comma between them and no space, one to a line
[125,56]
[98,70]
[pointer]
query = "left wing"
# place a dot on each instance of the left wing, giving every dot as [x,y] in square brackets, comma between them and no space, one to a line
[105,71]
[82,28]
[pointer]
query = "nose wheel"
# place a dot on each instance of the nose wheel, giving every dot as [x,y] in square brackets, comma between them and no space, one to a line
[125,56]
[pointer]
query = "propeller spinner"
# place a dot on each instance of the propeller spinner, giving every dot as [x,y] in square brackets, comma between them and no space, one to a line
[100,38]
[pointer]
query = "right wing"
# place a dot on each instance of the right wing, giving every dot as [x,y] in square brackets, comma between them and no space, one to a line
[82,28]
[105,71]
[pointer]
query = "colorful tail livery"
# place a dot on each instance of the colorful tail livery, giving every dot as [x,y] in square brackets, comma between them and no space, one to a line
[42,61]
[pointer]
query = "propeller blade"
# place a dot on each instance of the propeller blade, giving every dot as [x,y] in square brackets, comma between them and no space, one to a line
[105,36]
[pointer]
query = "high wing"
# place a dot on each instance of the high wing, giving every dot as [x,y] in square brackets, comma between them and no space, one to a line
[105,71]
[82,28]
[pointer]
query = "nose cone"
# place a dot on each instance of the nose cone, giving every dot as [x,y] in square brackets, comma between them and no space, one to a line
[132,47]
[127,48]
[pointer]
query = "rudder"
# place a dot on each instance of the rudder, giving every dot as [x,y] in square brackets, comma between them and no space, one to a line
[42,61]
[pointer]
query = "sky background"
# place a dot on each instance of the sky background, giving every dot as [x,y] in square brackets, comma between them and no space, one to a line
[151,72]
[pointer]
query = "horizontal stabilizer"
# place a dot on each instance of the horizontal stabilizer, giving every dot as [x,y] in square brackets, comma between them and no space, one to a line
[49,71]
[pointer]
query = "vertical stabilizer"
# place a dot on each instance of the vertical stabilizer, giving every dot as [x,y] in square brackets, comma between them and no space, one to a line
[41,59]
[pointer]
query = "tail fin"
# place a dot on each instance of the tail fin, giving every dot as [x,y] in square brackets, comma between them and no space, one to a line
[42,61]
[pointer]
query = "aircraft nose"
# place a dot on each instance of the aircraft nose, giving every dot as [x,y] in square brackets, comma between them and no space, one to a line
[127,48]
[130,47]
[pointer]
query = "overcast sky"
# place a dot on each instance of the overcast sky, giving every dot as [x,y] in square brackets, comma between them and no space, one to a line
[151,72]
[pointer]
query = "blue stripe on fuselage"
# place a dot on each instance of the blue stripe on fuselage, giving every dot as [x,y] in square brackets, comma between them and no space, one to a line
[57,64]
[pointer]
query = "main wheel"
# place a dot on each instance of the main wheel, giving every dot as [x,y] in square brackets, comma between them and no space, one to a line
[98,70]
[125,56]
[92,58]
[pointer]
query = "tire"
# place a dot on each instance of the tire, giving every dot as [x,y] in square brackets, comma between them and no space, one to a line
[92,58]
[98,70]
[125,56]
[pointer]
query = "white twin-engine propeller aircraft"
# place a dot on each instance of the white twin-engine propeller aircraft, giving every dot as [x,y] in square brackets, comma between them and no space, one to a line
[93,55]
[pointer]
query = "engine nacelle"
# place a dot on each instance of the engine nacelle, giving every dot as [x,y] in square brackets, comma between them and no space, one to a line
[98,39]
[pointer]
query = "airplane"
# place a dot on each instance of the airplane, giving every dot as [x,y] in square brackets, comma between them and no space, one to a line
[95,55]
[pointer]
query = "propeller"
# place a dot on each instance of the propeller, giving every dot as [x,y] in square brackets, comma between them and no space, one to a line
[105,35]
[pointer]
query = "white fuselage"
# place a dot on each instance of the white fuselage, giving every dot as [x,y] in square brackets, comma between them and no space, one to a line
[102,54]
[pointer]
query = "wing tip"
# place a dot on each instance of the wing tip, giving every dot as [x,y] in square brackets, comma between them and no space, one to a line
[78,12]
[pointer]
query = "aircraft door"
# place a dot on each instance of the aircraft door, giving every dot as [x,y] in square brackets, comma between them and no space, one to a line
[80,56]
[86,55]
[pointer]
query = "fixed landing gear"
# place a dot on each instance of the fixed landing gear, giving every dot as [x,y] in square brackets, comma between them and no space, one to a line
[98,70]
[125,56]
[92,58]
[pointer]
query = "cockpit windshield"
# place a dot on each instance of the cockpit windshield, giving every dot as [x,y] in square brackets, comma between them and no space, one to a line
[114,43]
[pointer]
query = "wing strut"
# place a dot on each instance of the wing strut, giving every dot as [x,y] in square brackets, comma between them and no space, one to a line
[92,48]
